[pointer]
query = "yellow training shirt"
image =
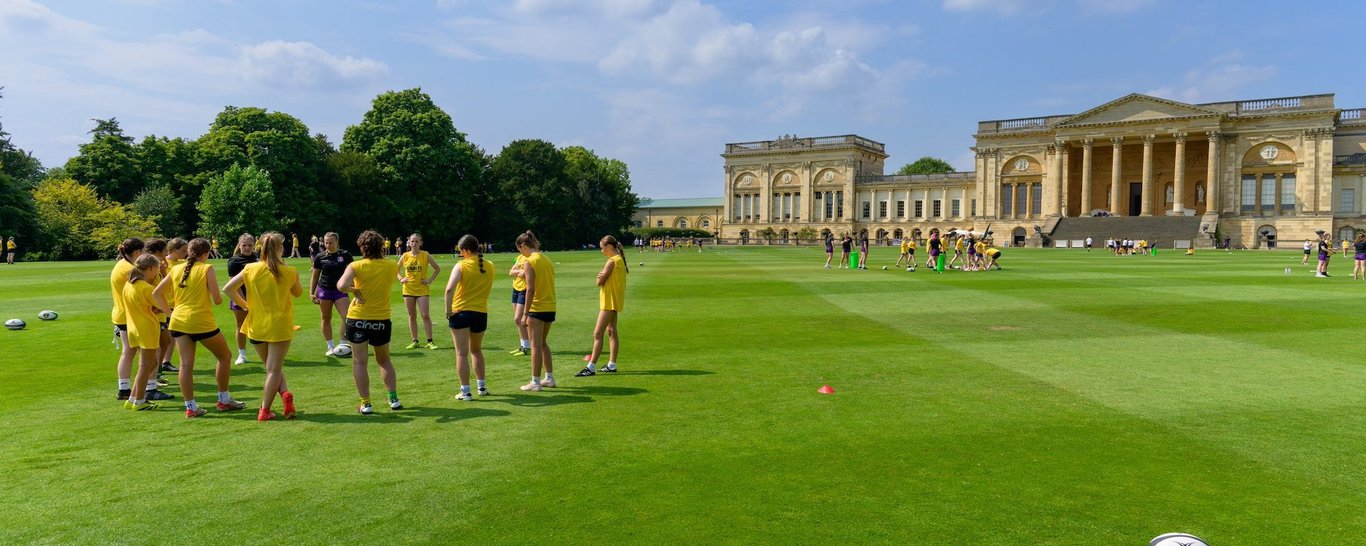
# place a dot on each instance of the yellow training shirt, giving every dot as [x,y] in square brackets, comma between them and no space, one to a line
[472,293]
[612,294]
[117,278]
[191,306]
[414,268]
[270,315]
[373,280]
[519,282]
[543,301]
[144,329]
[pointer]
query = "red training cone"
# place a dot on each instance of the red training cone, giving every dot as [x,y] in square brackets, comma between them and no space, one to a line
[826,389]
[587,357]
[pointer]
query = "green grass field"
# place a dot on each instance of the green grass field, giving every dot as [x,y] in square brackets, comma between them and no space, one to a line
[1071,399]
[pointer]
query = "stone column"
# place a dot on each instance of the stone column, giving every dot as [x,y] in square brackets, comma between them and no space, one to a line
[1065,180]
[1029,200]
[1115,199]
[1179,191]
[1146,202]
[1085,176]
[1212,202]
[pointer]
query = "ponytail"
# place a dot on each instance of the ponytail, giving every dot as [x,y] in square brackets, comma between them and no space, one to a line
[189,264]
[272,248]
[143,262]
[198,247]
[128,247]
[608,240]
[471,244]
[528,239]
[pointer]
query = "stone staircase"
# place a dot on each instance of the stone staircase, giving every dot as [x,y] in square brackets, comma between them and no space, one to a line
[1164,229]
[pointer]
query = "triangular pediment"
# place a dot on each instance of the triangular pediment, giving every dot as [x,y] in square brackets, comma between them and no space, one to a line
[1137,107]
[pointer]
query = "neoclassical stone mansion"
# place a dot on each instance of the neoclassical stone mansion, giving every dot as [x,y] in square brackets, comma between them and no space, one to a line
[1254,171]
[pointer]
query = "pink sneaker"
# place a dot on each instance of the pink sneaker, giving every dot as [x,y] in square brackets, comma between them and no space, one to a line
[547,382]
[532,387]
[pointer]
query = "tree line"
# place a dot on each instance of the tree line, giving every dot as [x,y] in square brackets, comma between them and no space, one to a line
[403,168]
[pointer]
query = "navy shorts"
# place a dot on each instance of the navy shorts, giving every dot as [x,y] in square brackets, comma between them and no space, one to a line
[374,332]
[543,316]
[519,297]
[477,322]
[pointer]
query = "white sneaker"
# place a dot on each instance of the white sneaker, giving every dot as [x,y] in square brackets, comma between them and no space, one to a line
[547,382]
[532,386]
[241,359]
[395,405]
[463,396]
[328,353]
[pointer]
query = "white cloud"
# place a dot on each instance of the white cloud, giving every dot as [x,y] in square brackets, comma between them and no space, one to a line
[1223,82]
[1015,7]
[1114,6]
[302,65]
[1002,7]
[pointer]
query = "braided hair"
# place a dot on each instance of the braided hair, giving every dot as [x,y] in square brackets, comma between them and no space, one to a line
[198,247]
[470,243]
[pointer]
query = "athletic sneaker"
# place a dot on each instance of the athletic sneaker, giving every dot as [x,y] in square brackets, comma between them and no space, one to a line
[265,415]
[288,399]
[547,382]
[128,404]
[230,405]
[431,346]
[533,386]
[365,409]
[412,345]
[516,351]
[329,353]
[145,406]
[241,359]
[161,382]
[395,404]
[484,392]
[168,368]
[522,352]
[197,412]
[1320,275]
[609,369]
[124,394]
[463,396]
[586,372]
[158,395]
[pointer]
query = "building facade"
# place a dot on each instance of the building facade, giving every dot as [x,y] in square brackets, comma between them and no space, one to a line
[1256,171]
[700,213]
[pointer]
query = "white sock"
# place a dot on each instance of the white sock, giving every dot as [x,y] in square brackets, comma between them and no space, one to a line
[151,384]
[535,380]
[191,405]
[464,389]
[330,345]
[481,384]
[549,376]
[241,353]
[611,365]
[591,367]
[125,384]
[224,397]
[526,344]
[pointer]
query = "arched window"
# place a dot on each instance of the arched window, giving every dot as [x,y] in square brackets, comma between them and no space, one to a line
[706,222]
[682,223]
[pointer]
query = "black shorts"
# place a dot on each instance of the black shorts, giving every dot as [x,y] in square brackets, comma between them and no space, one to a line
[196,337]
[374,332]
[166,324]
[519,297]
[477,322]
[543,316]
[254,341]
[120,328]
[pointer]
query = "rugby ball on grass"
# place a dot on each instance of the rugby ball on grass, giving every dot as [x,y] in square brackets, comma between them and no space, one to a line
[15,324]
[1176,539]
[47,314]
[342,350]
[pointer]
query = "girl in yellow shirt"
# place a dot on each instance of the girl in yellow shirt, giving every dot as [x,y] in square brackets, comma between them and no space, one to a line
[370,281]
[129,251]
[467,312]
[269,323]
[519,304]
[159,248]
[141,307]
[193,289]
[611,300]
[414,275]
[539,311]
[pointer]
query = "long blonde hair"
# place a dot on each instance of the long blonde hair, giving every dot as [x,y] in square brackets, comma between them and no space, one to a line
[272,251]
[145,261]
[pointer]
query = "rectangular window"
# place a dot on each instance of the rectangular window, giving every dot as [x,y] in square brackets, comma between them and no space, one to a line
[956,208]
[839,204]
[737,207]
[1249,193]
[1288,194]
[938,208]
[919,209]
[1268,191]
[881,209]
[900,209]
[1007,199]
[1347,200]
[1020,199]
[1036,207]
[866,208]
[974,208]
[829,206]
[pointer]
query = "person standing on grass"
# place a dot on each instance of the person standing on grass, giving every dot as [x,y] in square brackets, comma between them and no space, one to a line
[518,274]
[1308,248]
[157,247]
[1325,253]
[1359,266]
[243,255]
[130,250]
[193,289]
[270,322]
[829,249]
[846,247]
[413,275]
[11,249]
[467,313]
[1088,244]
[539,312]
[936,248]
[611,300]
[328,266]
[863,249]
[905,247]
[370,280]
[144,327]
[1345,247]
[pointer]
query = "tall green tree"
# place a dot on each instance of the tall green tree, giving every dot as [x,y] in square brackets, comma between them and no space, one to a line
[241,200]
[428,166]
[926,165]
[278,144]
[531,181]
[161,205]
[168,165]
[80,224]
[353,176]
[108,163]
[19,215]
[602,194]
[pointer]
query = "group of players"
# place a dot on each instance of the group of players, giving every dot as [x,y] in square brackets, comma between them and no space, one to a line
[971,252]
[164,292]
[1127,247]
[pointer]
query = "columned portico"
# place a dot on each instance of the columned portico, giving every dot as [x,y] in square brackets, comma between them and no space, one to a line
[1115,163]
[1146,201]
[1212,201]
[1178,197]
[1085,177]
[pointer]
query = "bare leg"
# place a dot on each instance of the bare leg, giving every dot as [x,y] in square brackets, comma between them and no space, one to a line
[241,317]
[411,304]
[273,355]
[386,367]
[614,344]
[325,307]
[424,305]
[540,350]
[604,318]
[125,366]
[147,366]
[461,339]
[186,374]
[360,356]
[523,331]
[218,345]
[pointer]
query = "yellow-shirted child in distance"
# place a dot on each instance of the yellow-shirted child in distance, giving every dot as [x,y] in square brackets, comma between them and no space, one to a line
[193,289]
[539,312]
[467,313]
[141,310]
[269,322]
[416,272]
[518,303]
[369,281]
[905,251]
[611,301]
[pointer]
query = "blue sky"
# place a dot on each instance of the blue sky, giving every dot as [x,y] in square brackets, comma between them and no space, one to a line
[660,84]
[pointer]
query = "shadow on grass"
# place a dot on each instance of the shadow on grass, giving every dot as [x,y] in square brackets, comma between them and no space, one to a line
[604,390]
[379,417]
[544,399]
[450,415]
[665,372]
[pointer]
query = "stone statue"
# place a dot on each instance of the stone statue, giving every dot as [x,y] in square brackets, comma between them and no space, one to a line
[1200,193]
